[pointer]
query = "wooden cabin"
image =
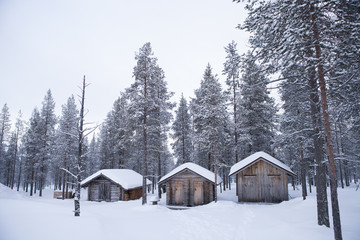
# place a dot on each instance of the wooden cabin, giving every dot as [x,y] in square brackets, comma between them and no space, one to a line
[261,178]
[189,185]
[112,185]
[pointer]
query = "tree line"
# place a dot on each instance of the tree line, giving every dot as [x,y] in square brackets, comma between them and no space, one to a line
[310,48]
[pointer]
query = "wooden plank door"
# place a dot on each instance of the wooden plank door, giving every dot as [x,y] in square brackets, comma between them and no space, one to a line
[198,193]
[250,188]
[179,193]
[104,192]
[101,192]
[274,188]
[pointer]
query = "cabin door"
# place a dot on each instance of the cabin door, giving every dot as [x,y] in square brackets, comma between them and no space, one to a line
[198,193]
[274,188]
[250,188]
[179,193]
[104,192]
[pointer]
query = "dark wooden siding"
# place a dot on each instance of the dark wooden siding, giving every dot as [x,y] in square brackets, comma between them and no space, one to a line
[180,189]
[262,182]
[102,189]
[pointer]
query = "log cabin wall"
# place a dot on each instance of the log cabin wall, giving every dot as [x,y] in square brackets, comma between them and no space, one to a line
[102,189]
[187,188]
[133,194]
[262,182]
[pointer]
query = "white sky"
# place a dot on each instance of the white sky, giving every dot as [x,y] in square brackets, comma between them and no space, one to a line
[52,44]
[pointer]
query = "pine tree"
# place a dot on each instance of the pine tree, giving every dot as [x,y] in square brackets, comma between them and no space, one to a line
[232,71]
[32,140]
[93,157]
[210,119]
[149,109]
[13,150]
[258,112]
[296,128]
[66,144]
[182,133]
[310,33]
[48,121]
[5,125]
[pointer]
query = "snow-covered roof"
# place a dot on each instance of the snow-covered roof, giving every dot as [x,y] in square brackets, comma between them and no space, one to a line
[127,178]
[253,158]
[196,169]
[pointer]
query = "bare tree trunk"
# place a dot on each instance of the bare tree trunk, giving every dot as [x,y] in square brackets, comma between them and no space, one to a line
[346,173]
[19,176]
[329,144]
[339,156]
[14,161]
[145,167]
[309,179]
[80,153]
[235,122]
[159,176]
[303,173]
[215,171]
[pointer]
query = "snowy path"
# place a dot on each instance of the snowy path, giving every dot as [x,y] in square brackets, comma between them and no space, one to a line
[27,218]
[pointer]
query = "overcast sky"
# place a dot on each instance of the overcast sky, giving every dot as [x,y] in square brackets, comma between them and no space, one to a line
[52,44]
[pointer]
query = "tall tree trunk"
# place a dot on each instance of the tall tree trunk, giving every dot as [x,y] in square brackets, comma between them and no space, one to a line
[235,122]
[321,195]
[80,153]
[346,173]
[303,173]
[215,171]
[329,144]
[159,175]
[145,167]
[339,155]
[14,162]
[19,176]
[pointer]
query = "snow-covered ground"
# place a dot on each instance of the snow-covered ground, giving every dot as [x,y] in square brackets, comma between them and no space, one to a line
[26,218]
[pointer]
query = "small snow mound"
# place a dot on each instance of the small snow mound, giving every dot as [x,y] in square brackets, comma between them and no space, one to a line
[6,192]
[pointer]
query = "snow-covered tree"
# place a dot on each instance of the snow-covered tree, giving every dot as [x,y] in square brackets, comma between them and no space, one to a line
[295,123]
[5,125]
[210,119]
[149,109]
[32,140]
[66,144]
[47,124]
[13,151]
[258,111]
[232,72]
[181,127]
[319,35]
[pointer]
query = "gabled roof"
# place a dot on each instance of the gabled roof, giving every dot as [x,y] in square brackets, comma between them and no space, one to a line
[194,168]
[256,156]
[127,178]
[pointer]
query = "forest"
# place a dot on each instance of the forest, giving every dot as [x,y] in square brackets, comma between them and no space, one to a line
[308,50]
